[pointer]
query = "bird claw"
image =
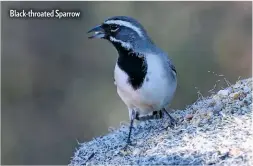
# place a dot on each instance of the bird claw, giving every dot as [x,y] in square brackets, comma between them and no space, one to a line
[126,150]
[172,124]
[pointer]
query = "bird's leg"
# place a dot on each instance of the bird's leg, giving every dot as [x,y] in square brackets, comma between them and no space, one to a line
[133,115]
[158,114]
[173,122]
[155,115]
[130,131]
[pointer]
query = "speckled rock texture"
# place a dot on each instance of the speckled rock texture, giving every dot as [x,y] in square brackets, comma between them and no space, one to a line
[215,130]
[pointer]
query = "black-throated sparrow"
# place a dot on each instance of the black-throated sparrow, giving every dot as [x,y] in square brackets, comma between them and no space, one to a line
[145,77]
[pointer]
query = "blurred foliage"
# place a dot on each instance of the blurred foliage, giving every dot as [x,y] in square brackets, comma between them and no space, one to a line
[57,86]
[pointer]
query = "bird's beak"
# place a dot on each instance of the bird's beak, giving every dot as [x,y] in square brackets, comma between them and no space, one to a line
[98,32]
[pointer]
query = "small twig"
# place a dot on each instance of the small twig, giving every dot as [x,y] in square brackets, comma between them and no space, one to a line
[211,90]
[238,78]
[227,82]
[90,157]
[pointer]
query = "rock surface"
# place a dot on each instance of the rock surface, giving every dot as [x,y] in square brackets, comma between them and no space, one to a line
[213,130]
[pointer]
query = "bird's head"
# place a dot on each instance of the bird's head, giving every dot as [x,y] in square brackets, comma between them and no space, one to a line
[121,31]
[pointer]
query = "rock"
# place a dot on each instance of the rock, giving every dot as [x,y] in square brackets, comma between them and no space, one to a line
[189,117]
[234,152]
[199,138]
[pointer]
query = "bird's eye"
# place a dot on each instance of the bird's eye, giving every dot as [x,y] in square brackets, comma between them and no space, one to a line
[114,27]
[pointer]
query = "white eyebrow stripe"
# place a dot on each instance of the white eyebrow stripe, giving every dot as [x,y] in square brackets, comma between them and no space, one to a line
[126,24]
[123,44]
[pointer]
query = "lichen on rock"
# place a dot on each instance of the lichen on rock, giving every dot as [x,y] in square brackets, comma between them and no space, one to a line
[214,130]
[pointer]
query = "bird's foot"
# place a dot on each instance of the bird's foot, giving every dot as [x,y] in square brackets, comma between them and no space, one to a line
[172,122]
[127,149]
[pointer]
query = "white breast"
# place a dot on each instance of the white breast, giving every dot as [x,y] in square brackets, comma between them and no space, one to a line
[156,91]
[124,89]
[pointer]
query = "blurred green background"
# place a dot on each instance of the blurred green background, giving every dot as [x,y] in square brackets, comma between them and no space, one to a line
[57,86]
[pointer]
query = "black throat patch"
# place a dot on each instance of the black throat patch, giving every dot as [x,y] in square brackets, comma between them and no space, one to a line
[133,64]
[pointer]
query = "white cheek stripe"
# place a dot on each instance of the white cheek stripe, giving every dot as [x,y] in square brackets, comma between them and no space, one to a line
[126,24]
[123,44]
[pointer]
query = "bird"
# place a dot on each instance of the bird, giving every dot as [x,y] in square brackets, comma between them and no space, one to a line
[145,76]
